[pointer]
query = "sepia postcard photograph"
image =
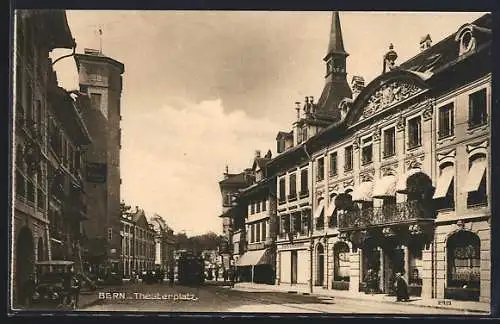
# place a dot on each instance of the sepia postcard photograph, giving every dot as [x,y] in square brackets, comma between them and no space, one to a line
[246,162]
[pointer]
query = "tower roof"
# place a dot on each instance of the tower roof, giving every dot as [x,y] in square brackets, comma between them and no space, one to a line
[336,43]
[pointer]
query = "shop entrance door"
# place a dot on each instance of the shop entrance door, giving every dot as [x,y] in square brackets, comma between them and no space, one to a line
[394,262]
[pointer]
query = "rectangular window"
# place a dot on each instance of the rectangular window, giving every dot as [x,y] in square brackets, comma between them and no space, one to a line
[297,224]
[252,208]
[282,190]
[320,173]
[389,142]
[257,206]
[257,232]
[446,121]
[304,134]
[264,205]
[280,145]
[348,158]
[252,234]
[95,100]
[414,132]
[299,135]
[333,164]
[304,188]
[367,151]
[477,108]
[264,230]
[38,116]
[110,233]
[293,186]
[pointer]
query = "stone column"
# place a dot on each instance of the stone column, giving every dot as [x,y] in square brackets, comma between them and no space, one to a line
[382,269]
[355,271]
[427,269]
[330,265]
[278,267]
[406,257]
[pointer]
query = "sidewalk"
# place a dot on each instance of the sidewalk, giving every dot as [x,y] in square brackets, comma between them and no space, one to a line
[466,306]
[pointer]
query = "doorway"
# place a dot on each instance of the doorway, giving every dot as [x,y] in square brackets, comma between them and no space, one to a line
[320,272]
[393,263]
[294,267]
[25,258]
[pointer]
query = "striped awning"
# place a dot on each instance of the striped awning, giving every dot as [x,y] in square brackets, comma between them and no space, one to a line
[385,187]
[444,182]
[476,174]
[331,207]
[401,186]
[251,258]
[363,192]
[320,209]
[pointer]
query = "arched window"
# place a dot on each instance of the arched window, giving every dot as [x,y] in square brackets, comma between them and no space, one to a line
[464,261]
[320,265]
[341,262]
[476,181]
[444,194]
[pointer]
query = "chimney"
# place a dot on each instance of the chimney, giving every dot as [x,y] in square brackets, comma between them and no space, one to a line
[297,107]
[257,153]
[425,42]
[357,85]
[226,173]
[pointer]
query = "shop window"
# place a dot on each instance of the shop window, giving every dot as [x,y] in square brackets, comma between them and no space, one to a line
[464,266]
[477,108]
[446,121]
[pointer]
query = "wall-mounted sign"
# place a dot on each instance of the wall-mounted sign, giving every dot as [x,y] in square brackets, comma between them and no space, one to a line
[299,245]
[96,172]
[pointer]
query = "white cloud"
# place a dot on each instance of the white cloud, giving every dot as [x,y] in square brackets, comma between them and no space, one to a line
[173,159]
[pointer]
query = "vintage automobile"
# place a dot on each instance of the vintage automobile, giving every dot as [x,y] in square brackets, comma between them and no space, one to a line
[49,290]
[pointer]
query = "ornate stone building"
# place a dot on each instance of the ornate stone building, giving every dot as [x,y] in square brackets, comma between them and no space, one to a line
[407,188]
[37,33]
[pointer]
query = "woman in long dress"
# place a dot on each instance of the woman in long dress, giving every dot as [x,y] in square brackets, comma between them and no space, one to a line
[401,288]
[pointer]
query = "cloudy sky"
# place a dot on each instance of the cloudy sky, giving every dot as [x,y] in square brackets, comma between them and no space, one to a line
[206,89]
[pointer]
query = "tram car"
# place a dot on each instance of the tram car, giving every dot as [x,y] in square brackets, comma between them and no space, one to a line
[190,269]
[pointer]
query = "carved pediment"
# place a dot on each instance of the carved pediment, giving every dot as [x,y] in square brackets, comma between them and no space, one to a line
[390,94]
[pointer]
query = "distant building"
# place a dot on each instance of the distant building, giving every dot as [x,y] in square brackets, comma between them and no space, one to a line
[100,78]
[164,243]
[254,236]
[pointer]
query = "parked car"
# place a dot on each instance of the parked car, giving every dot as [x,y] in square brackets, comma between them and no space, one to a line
[49,291]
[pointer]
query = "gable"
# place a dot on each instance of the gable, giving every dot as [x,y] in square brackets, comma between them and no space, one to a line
[385,92]
[142,221]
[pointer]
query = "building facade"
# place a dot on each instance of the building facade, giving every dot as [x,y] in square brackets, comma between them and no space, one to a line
[138,244]
[390,177]
[34,39]
[254,238]
[100,78]
[164,243]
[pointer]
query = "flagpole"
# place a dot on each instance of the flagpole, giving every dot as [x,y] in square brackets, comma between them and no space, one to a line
[100,40]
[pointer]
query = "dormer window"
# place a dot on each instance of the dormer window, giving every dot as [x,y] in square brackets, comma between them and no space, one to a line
[466,39]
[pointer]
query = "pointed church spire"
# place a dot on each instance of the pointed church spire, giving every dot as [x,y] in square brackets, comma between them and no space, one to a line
[336,43]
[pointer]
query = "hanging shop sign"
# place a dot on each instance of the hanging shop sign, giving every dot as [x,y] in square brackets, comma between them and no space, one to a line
[96,172]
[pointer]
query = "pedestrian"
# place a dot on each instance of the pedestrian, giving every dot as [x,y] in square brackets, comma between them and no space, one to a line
[171,276]
[216,274]
[401,288]
[231,276]
[224,274]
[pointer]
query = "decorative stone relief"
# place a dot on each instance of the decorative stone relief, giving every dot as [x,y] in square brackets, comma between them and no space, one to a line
[429,109]
[388,95]
[388,232]
[367,175]
[376,134]
[400,124]
[389,170]
[450,154]
[334,187]
[319,193]
[415,229]
[475,146]
[349,183]
[355,142]
[414,163]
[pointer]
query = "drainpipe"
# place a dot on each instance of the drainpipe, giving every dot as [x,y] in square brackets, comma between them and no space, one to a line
[311,240]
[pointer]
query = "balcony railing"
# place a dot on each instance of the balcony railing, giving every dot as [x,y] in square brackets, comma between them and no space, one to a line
[400,212]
